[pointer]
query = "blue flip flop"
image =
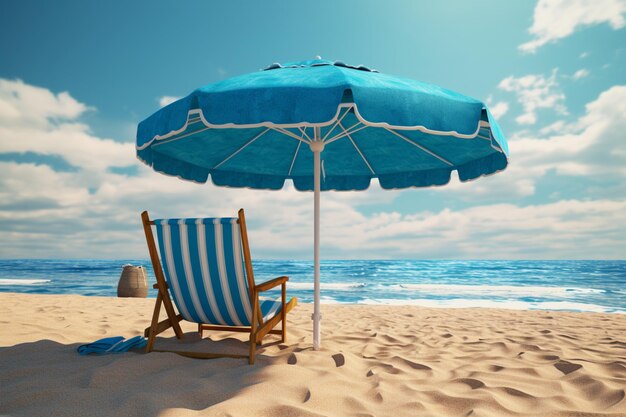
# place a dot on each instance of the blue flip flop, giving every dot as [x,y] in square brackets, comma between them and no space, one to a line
[115,344]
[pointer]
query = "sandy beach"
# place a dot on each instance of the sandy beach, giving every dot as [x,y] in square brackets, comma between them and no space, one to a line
[375,361]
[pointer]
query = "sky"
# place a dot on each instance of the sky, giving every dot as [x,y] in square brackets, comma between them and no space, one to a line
[76,77]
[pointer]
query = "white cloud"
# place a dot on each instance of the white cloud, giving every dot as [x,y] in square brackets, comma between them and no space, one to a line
[558,19]
[499,109]
[590,146]
[558,127]
[583,55]
[534,92]
[27,105]
[565,229]
[581,73]
[22,184]
[33,119]
[165,100]
[71,142]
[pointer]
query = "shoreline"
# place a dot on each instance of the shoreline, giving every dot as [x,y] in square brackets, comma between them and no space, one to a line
[375,360]
[450,303]
[556,285]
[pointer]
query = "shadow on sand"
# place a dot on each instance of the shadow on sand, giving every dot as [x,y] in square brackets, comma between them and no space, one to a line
[46,378]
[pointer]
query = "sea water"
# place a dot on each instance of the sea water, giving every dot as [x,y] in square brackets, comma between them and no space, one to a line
[598,286]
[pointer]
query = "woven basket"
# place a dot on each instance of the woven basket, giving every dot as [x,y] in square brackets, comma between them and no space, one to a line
[133,282]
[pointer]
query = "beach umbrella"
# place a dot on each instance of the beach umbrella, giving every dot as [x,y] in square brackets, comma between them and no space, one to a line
[325,125]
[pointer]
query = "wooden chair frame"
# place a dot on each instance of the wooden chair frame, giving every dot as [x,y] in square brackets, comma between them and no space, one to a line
[257,330]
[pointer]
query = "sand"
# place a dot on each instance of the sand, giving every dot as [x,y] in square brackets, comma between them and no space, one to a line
[375,361]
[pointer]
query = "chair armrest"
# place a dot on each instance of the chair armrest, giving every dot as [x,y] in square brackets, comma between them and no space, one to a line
[270,284]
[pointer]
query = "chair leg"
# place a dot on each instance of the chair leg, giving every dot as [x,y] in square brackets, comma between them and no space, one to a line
[283,313]
[283,333]
[155,322]
[253,327]
[252,355]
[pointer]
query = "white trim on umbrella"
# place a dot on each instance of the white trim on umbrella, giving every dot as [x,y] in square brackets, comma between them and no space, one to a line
[282,128]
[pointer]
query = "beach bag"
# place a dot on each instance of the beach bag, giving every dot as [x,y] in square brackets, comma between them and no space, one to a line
[133,282]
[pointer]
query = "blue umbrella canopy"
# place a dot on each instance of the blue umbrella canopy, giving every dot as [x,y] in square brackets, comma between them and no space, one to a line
[326,126]
[250,131]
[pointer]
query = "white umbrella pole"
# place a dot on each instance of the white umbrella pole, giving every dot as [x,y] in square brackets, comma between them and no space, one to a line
[317,146]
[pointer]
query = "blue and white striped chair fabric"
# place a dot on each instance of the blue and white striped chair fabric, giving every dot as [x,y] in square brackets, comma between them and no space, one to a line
[203,264]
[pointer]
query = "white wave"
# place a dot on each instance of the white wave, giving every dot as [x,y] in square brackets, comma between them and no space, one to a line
[504,304]
[329,300]
[336,286]
[497,290]
[7,281]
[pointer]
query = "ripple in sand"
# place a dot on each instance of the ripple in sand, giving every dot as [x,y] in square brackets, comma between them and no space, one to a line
[618,344]
[615,397]
[550,357]
[375,395]
[597,391]
[517,393]
[567,367]
[414,365]
[384,367]
[287,410]
[339,359]
[616,367]
[471,382]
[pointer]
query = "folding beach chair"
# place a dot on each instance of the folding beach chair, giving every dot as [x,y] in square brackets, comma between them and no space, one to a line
[210,281]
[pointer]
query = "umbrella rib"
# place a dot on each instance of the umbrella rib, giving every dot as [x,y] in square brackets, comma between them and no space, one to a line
[303,130]
[336,123]
[293,161]
[357,149]
[351,130]
[428,151]
[242,148]
[288,133]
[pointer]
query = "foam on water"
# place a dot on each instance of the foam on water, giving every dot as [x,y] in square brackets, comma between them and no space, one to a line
[504,304]
[6,281]
[495,290]
[335,286]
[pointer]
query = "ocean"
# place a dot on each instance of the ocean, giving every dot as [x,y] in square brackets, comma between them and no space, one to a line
[597,286]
